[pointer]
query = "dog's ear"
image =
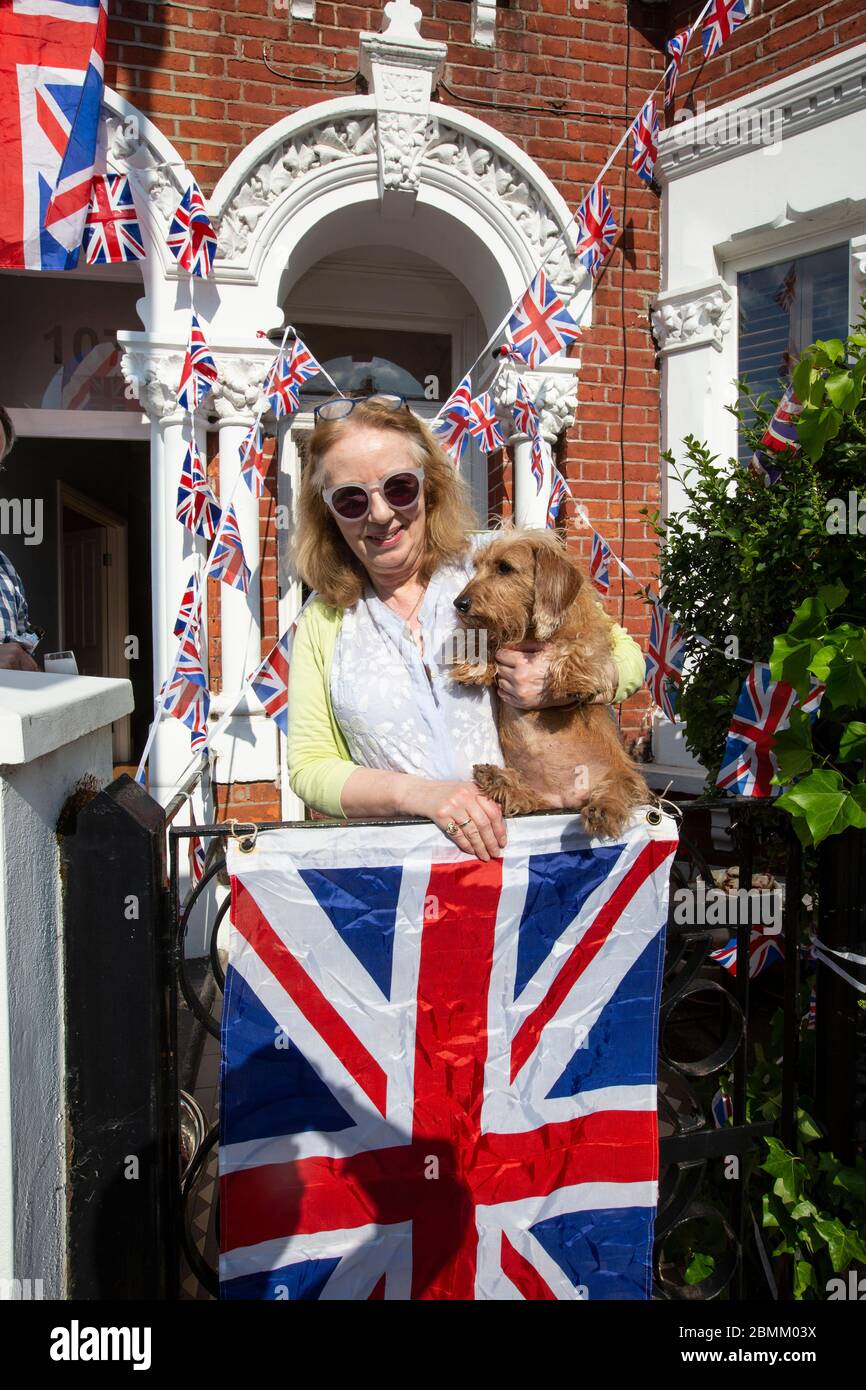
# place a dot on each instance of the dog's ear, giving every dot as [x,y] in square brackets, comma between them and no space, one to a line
[557,584]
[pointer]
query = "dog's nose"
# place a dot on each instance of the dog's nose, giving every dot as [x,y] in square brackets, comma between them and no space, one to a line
[462,603]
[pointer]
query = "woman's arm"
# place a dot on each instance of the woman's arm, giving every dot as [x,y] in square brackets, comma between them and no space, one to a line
[318,767]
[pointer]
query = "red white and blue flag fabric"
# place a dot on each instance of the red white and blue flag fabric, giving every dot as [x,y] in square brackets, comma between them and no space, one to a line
[271,680]
[439,1075]
[227,561]
[191,237]
[720,22]
[187,697]
[646,141]
[596,230]
[540,325]
[765,949]
[199,373]
[50,95]
[524,411]
[287,375]
[451,426]
[483,425]
[254,465]
[676,50]
[536,460]
[559,490]
[779,436]
[197,508]
[664,659]
[112,233]
[189,613]
[763,710]
[599,563]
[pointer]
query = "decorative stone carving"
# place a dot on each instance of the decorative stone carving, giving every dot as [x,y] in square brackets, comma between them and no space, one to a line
[694,317]
[238,389]
[312,149]
[400,67]
[402,138]
[129,150]
[153,375]
[554,392]
[484,23]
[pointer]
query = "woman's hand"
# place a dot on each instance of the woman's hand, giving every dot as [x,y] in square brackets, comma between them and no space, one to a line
[482,828]
[521,677]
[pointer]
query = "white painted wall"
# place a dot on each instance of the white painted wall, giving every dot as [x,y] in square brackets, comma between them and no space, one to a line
[54,730]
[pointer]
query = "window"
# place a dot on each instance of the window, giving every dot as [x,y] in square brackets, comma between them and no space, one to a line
[365,360]
[782,309]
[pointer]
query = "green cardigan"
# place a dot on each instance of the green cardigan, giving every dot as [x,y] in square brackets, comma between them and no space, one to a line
[319,760]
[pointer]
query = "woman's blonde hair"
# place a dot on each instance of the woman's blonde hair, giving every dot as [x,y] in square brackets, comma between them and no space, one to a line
[321,556]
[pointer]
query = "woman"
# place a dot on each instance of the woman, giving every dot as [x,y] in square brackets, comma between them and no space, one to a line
[376,727]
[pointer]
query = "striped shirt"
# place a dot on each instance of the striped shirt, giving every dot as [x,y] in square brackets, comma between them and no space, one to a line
[14,618]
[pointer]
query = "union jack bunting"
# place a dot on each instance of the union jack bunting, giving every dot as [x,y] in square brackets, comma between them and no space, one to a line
[540,325]
[50,92]
[664,659]
[646,141]
[191,237]
[599,564]
[723,18]
[189,613]
[763,710]
[197,508]
[596,230]
[287,375]
[395,1013]
[781,432]
[227,560]
[271,681]
[536,461]
[186,696]
[111,232]
[722,1109]
[254,465]
[676,49]
[197,857]
[199,372]
[559,490]
[483,425]
[764,950]
[451,425]
[525,412]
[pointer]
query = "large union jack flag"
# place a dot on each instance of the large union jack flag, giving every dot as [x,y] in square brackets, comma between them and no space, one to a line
[540,325]
[191,237]
[197,508]
[596,230]
[646,141]
[199,372]
[664,659]
[723,17]
[270,681]
[50,92]
[112,233]
[451,426]
[439,1075]
[676,50]
[763,710]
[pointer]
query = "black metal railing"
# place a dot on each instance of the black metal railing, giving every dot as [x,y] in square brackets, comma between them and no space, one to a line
[712,1011]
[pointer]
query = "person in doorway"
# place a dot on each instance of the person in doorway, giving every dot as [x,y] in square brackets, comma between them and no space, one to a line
[384,537]
[17,638]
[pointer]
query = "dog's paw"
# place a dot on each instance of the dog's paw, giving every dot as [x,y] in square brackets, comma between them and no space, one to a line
[602,821]
[489,780]
[465,673]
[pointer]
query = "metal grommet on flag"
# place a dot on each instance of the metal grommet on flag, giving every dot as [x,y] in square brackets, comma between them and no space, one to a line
[653,816]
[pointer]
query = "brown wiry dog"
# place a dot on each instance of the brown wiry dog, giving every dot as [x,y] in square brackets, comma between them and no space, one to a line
[527,586]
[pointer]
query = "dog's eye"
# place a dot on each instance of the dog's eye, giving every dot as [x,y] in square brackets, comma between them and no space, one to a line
[504,567]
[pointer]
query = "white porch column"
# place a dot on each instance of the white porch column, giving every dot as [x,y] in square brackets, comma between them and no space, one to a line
[554,390]
[155,373]
[54,731]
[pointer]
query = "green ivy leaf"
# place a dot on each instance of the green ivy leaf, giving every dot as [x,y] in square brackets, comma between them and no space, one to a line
[788,1170]
[840,386]
[790,660]
[793,748]
[843,1244]
[852,745]
[804,1278]
[822,801]
[833,348]
[700,1267]
[852,1180]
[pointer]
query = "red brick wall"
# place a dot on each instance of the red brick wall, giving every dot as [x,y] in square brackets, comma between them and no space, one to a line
[563,82]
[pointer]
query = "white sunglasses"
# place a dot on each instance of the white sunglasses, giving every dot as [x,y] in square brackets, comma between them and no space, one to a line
[352,501]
